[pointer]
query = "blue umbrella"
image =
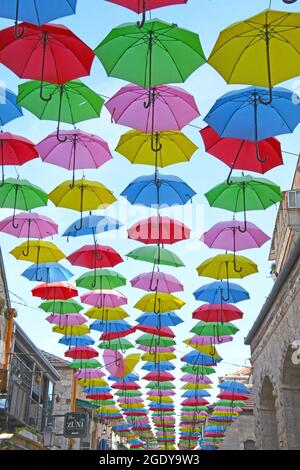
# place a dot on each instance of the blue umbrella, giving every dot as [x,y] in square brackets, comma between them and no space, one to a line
[213,293]
[198,358]
[210,429]
[96,390]
[77,341]
[161,366]
[121,427]
[196,393]
[129,378]
[110,326]
[240,114]
[9,109]
[47,272]
[161,405]
[37,12]
[159,320]
[235,387]
[163,191]
[91,225]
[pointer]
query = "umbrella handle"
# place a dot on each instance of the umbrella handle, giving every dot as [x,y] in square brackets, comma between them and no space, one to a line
[158,146]
[258,157]
[270,98]
[81,212]
[2,164]
[20,34]
[49,98]
[244,230]
[60,139]
[15,226]
[228,181]
[237,270]
[141,23]
[212,350]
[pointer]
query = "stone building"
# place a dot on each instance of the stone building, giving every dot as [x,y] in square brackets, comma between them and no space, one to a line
[275,337]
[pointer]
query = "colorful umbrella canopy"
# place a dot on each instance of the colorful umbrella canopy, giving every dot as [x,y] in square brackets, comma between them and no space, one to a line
[101,279]
[156,255]
[77,341]
[114,326]
[171,108]
[147,340]
[68,320]
[210,329]
[160,149]
[159,321]
[234,386]
[71,102]
[265,37]
[227,266]
[121,344]
[157,281]
[159,190]
[214,293]
[47,272]
[79,150]
[88,374]
[37,252]
[72,331]
[106,314]
[84,364]
[9,109]
[92,225]
[119,366]
[61,306]
[217,313]
[205,340]
[88,257]
[159,229]
[55,290]
[104,298]
[15,150]
[163,332]
[159,302]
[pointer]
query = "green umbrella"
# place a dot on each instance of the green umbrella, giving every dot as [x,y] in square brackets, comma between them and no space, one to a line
[147,340]
[101,279]
[157,53]
[198,369]
[244,193]
[61,306]
[116,344]
[215,329]
[128,393]
[21,194]
[160,385]
[84,364]
[156,255]
[102,402]
[196,409]
[71,102]
[231,403]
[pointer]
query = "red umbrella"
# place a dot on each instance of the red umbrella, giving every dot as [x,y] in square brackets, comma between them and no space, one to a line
[51,53]
[15,150]
[92,257]
[126,386]
[55,291]
[117,334]
[194,402]
[228,395]
[165,331]
[83,352]
[159,229]
[99,396]
[162,376]
[217,313]
[241,154]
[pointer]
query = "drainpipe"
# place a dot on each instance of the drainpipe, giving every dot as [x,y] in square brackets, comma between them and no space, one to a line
[10,314]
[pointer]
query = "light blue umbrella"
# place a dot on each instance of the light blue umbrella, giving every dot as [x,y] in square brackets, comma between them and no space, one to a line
[234,386]
[96,390]
[47,272]
[9,109]
[91,225]
[195,393]
[110,326]
[162,190]
[220,292]
[198,358]
[129,378]
[161,366]
[159,320]
[77,341]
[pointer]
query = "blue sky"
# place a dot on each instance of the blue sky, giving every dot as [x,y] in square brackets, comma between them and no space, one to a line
[93,21]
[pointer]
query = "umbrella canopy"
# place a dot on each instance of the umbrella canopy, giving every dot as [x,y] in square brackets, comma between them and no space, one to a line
[196,357]
[247,51]
[171,108]
[68,320]
[47,272]
[55,290]
[119,366]
[121,344]
[15,150]
[36,11]
[104,298]
[158,321]
[235,387]
[210,329]
[160,149]
[69,330]
[156,255]
[89,257]
[147,340]
[163,332]
[227,266]
[214,293]
[217,313]
[37,252]
[61,306]
[88,374]
[9,109]
[159,229]
[106,314]
[160,190]
[76,341]
[29,225]
[114,326]
[101,279]
[91,225]
[157,281]
[207,340]
[159,302]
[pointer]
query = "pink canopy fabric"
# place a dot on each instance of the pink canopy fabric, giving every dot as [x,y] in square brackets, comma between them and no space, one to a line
[190,378]
[159,281]
[158,349]
[80,151]
[162,393]
[173,108]
[104,298]
[66,319]
[29,225]
[89,374]
[205,340]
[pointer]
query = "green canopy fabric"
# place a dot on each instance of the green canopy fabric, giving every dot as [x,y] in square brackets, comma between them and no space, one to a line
[214,329]
[156,255]
[116,344]
[61,306]
[101,279]
[21,194]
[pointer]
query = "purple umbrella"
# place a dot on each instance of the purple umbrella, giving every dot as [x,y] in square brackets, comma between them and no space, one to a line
[161,349]
[190,378]
[206,340]
[157,281]
[66,319]
[158,392]
[29,225]
[79,151]
[104,298]
[227,236]
[89,374]
[171,108]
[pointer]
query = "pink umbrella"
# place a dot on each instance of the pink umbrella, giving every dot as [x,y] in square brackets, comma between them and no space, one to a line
[157,281]
[104,298]
[205,340]
[190,378]
[158,349]
[29,225]
[79,151]
[171,108]
[159,392]
[130,400]
[89,374]
[66,319]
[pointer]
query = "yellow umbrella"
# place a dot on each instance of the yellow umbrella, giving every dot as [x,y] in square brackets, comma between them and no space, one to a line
[190,386]
[75,330]
[38,251]
[93,382]
[159,302]
[82,196]
[130,363]
[227,266]
[106,314]
[158,399]
[205,349]
[262,50]
[159,149]
[158,357]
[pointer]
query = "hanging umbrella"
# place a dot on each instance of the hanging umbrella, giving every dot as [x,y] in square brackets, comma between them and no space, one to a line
[89,374]
[76,341]
[82,195]
[78,151]
[162,376]
[107,336]
[88,257]
[48,53]
[84,364]
[244,193]
[72,331]
[147,340]
[241,154]
[47,272]
[104,298]
[21,194]
[157,149]
[119,366]
[61,306]
[81,352]
[71,102]
[9,109]
[68,320]
[248,51]
[197,342]
[196,358]
[214,293]
[106,314]
[217,313]
[105,279]
[159,302]
[159,366]
[171,108]
[227,266]
[29,225]
[210,329]
[159,321]
[163,332]
[91,225]
[15,150]
[160,357]
[161,385]
[159,229]
[55,290]
[155,54]
[37,252]
[159,190]
[121,344]
[35,11]
[156,255]
[158,281]
[233,386]
[193,379]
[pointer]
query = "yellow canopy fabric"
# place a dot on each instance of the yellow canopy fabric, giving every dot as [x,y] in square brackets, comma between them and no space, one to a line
[83,196]
[158,357]
[37,251]
[159,302]
[93,382]
[130,363]
[205,349]
[136,146]
[222,267]
[158,399]
[240,53]
[106,314]
[189,386]
[76,330]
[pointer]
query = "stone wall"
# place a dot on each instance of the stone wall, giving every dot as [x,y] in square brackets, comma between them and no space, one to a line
[239,433]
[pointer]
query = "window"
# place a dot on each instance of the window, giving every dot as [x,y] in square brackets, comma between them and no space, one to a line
[249,445]
[293,199]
